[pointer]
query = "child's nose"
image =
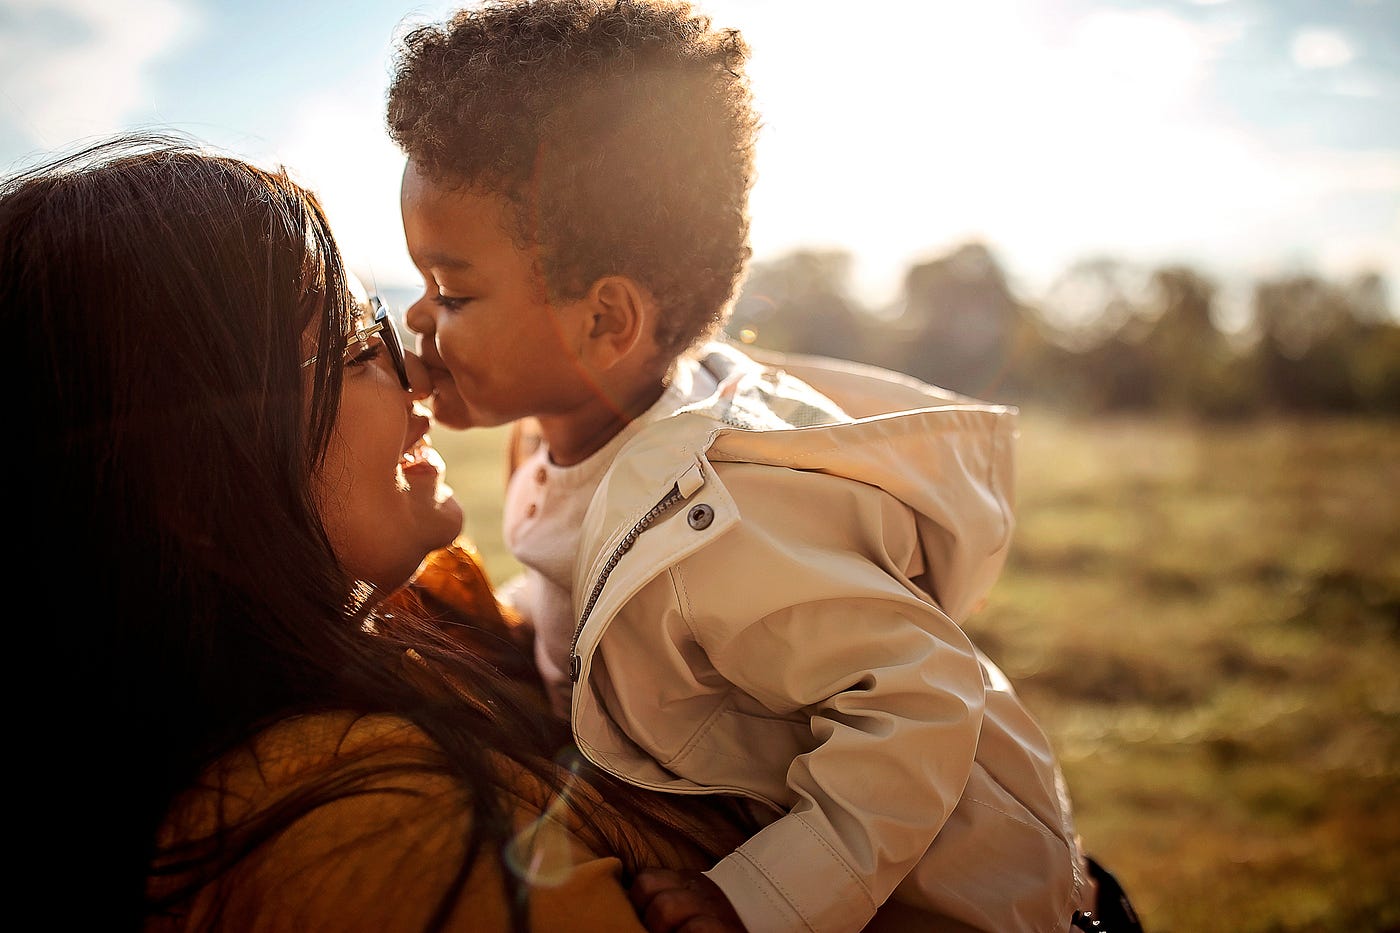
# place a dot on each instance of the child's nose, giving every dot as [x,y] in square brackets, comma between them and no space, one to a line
[419,317]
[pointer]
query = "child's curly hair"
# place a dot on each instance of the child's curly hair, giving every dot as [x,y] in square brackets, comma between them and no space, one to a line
[621,130]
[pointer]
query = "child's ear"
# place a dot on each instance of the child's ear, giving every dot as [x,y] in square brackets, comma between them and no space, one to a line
[620,317]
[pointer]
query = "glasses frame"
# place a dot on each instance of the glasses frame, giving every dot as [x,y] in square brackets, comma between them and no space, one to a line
[383,324]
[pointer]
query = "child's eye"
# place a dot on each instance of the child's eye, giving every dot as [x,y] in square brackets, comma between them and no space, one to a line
[449,302]
[366,356]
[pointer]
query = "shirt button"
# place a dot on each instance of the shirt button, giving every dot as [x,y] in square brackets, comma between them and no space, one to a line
[540,476]
[530,512]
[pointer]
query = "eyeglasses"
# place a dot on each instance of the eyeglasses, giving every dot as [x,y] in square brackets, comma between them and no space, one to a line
[383,325]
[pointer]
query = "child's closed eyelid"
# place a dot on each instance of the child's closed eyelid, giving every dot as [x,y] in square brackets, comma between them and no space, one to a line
[449,302]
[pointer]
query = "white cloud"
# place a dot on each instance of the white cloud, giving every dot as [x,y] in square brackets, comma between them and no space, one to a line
[1321,48]
[77,68]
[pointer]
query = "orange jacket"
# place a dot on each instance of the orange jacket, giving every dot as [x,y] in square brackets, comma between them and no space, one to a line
[380,859]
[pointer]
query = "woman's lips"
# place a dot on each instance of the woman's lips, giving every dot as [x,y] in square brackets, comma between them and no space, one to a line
[421,465]
[422,458]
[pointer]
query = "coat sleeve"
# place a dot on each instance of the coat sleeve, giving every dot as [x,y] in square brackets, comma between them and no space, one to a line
[831,632]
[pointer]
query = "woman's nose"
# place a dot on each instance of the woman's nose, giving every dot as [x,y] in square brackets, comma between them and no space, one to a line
[420,383]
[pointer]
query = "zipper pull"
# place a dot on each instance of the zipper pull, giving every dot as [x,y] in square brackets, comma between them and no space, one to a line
[691,480]
[574,665]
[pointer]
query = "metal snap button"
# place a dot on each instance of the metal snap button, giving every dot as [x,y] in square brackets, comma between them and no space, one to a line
[700,516]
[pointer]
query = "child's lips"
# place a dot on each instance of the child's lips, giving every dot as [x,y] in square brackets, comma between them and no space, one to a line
[441,378]
[448,406]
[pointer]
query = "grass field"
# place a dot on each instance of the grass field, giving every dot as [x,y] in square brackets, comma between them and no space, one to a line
[1207,621]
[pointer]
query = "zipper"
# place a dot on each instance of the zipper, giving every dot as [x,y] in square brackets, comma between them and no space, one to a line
[623,546]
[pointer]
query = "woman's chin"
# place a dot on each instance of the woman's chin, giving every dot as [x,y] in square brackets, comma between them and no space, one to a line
[450,510]
[434,507]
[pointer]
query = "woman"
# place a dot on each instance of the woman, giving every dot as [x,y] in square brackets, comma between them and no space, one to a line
[233,475]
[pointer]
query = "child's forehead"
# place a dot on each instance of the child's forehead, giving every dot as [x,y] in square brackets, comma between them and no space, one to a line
[449,223]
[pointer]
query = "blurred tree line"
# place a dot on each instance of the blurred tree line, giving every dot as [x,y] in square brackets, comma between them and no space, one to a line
[1106,336]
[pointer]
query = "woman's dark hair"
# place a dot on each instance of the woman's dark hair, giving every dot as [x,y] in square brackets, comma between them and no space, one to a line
[622,131]
[194,596]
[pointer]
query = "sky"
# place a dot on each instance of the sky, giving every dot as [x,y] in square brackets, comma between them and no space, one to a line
[1248,138]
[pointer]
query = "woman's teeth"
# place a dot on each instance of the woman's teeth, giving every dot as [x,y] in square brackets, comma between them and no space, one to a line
[421,453]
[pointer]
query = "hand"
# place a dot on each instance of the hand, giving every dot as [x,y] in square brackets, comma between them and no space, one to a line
[682,902]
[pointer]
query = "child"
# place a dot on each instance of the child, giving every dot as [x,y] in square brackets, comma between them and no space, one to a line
[742,578]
